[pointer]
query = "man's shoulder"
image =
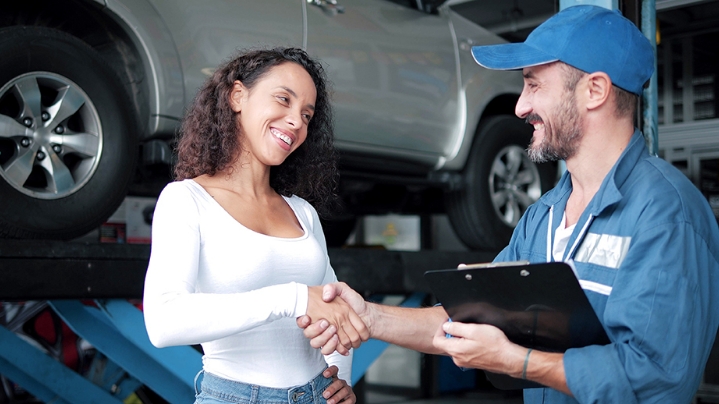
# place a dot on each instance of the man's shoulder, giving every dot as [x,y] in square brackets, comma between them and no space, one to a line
[659,190]
[654,176]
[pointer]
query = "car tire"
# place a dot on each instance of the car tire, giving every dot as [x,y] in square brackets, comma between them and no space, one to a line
[68,135]
[499,182]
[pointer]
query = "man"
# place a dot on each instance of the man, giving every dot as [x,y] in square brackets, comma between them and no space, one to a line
[642,238]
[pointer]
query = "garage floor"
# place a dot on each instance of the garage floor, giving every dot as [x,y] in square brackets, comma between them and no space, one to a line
[396,378]
[465,398]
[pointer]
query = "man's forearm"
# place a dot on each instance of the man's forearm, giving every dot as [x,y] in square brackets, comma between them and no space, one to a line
[548,368]
[406,327]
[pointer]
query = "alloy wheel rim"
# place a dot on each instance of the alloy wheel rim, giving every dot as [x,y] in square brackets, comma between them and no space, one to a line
[50,135]
[514,184]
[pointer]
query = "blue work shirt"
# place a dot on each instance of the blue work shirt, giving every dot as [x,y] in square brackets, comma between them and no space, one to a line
[646,250]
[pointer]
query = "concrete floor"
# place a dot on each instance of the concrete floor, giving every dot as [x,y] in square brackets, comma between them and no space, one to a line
[497,397]
[395,378]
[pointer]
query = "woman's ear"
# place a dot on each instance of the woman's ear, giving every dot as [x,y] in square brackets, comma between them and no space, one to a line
[598,88]
[236,96]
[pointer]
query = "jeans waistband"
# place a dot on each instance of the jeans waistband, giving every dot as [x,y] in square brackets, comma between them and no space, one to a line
[243,393]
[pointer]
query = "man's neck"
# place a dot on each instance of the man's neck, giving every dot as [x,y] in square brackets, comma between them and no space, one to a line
[597,154]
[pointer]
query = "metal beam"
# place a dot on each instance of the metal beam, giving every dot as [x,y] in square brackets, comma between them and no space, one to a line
[650,109]
[44,377]
[90,324]
[62,270]
[669,4]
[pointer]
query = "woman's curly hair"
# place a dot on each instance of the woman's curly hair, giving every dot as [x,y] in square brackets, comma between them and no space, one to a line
[209,139]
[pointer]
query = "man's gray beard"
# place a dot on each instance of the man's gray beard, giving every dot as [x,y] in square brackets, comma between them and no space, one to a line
[566,137]
[543,153]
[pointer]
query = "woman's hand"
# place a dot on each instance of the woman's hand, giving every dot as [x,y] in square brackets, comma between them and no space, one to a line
[339,391]
[323,331]
[348,325]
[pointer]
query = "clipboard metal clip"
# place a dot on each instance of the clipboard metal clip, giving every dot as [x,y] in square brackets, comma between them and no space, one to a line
[492,264]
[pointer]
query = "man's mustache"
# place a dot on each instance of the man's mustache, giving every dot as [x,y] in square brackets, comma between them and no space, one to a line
[533,118]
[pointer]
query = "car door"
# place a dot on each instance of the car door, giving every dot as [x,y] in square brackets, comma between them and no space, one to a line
[394,75]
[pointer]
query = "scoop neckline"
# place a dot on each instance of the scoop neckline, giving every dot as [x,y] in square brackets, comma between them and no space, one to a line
[209,197]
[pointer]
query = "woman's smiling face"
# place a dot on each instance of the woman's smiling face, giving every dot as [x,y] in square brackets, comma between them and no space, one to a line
[274,113]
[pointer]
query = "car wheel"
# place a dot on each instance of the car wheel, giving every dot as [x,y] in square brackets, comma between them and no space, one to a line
[499,183]
[68,142]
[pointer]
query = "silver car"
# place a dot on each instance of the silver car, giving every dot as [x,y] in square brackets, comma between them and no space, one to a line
[91,93]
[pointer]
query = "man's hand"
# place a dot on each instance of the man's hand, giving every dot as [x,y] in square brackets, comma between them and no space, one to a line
[483,346]
[479,346]
[350,329]
[323,333]
[339,390]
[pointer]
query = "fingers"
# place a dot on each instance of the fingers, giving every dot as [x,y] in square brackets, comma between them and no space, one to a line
[441,331]
[353,330]
[330,291]
[339,391]
[447,327]
[356,331]
[322,335]
[457,329]
[331,371]
[303,321]
[441,341]
[344,395]
[319,333]
[341,289]
[351,296]
[353,336]
[342,333]
[360,326]
[333,344]
[349,326]
[471,331]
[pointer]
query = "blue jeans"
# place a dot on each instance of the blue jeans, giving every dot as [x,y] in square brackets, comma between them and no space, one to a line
[216,390]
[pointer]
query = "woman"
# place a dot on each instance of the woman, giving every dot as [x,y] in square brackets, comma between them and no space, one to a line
[237,249]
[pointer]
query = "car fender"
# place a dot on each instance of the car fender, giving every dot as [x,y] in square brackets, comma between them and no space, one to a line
[160,59]
[479,92]
[479,87]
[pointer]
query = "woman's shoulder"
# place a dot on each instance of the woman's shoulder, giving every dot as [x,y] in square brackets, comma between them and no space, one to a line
[299,204]
[182,192]
[187,187]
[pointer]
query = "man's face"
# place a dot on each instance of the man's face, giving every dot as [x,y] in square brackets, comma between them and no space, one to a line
[551,108]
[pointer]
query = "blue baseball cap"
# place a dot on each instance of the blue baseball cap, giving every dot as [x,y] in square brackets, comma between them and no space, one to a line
[590,38]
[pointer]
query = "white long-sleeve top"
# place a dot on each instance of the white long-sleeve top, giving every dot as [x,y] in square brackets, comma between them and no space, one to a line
[214,282]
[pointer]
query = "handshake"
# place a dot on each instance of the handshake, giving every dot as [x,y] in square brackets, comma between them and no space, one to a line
[337,318]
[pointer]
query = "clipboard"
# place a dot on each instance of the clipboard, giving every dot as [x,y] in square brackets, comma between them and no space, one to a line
[539,306]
